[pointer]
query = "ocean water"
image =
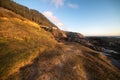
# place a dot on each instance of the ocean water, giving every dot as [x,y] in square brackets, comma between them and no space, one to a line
[103,36]
[117,37]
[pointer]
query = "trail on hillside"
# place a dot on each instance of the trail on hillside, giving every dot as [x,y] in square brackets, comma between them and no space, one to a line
[55,66]
[68,62]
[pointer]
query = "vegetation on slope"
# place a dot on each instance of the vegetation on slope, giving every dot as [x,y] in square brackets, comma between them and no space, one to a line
[68,62]
[30,14]
[20,42]
[27,52]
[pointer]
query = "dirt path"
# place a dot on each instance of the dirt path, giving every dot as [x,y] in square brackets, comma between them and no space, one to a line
[54,66]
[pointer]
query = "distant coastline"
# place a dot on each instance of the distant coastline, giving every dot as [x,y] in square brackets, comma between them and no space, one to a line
[118,37]
[105,36]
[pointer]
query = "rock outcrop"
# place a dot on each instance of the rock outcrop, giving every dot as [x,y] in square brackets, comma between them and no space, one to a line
[73,36]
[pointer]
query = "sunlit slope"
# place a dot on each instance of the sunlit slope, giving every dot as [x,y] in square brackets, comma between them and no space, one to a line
[27,52]
[68,62]
[25,12]
[20,42]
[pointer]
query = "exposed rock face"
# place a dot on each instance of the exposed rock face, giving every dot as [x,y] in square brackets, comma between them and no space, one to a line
[109,46]
[79,38]
[72,36]
[56,32]
[111,43]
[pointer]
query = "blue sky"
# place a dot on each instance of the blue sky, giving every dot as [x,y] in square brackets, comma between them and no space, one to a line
[89,17]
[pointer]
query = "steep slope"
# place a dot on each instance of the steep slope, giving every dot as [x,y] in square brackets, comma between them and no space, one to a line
[37,17]
[30,14]
[28,52]
[20,42]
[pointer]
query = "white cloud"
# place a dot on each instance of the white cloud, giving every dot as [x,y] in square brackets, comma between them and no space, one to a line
[71,5]
[56,3]
[53,18]
[60,24]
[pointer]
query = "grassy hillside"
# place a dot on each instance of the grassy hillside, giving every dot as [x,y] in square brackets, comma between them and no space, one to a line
[69,61]
[27,52]
[20,42]
[30,14]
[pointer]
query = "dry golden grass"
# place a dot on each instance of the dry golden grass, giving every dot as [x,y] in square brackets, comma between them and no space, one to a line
[27,52]
[68,62]
[20,42]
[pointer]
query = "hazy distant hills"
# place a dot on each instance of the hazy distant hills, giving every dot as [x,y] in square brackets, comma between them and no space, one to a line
[33,48]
